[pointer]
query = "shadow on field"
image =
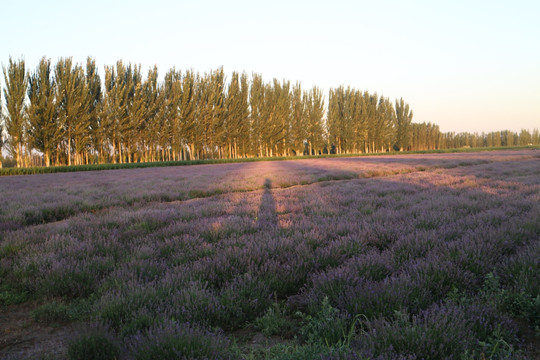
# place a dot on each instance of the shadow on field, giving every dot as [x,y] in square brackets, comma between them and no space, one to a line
[267,215]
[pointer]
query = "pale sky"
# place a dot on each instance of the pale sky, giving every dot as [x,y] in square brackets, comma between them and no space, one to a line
[464,65]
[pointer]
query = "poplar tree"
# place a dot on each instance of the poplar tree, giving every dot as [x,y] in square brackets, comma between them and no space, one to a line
[315,113]
[276,113]
[356,119]
[236,115]
[284,110]
[299,123]
[372,114]
[383,129]
[15,120]
[256,102]
[150,131]
[115,107]
[211,112]
[71,117]
[403,124]
[351,127]
[535,137]
[72,102]
[135,113]
[172,89]
[268,118]
[94,110]
[129,75]
[525,137]
[187,112]
[44,131]
[334,119]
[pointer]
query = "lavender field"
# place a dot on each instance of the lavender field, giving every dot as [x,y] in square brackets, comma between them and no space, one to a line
[391,257]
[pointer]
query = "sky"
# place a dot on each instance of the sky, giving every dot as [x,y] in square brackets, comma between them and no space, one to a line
[464,65]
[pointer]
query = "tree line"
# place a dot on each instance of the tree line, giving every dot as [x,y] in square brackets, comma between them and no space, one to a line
[66,114]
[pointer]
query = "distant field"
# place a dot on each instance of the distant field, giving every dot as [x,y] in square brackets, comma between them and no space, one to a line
[11,171]
[415,256]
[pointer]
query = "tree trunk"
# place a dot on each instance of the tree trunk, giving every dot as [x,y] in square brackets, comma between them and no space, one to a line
[120,153]
[113,153]
[69,149]
[17,155]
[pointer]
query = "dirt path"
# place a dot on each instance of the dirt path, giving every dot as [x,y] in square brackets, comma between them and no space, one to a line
[22,338]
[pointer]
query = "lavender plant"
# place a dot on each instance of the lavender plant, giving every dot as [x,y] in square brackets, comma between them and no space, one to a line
[388,244]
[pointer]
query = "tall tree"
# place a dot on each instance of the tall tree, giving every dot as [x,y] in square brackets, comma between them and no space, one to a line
[151,127]
[45,132]
[372,114]
[135,113]
[276,114]
[535,137]
[236,115]
[315,113]
[72,101]
[403,124]
[211,112]
[187,114]
[335,119]
[94,110]
[256,103]
[384,128]
[16,121]
[357,119]
[299,120]
[115,107]
[172,92]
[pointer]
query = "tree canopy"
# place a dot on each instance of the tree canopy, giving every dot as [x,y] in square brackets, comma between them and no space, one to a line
[67,114]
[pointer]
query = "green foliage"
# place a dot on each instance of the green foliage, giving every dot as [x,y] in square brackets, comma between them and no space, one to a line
[15,121]
[12,296]
[296,352]
[93,346]
[46,215]
[182,346]
[70,284]
[494,347]
[517,302]
[196,193]
[328,326]
[521,305]
[45,129]
[138,324]
[8,250]
[245,299]
[116,313]
[60,312]
[403,125]
[72,101]
[275,322]
[70,119]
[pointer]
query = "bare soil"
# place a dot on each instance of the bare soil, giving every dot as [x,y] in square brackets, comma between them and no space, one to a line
[23,338]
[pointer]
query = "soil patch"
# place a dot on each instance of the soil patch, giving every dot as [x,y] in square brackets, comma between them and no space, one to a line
[23,338]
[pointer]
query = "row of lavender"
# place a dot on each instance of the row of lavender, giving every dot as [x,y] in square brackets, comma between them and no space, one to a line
[402,259]
[28,200]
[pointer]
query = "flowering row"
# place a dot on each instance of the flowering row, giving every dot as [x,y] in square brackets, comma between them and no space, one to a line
[393,251]
[27,200]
